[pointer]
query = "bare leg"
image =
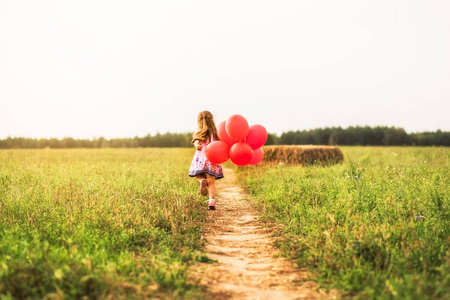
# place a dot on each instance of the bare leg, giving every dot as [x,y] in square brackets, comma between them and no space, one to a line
[211,186]
[200,177]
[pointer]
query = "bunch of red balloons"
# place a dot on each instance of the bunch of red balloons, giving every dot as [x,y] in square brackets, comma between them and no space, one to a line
[237,141]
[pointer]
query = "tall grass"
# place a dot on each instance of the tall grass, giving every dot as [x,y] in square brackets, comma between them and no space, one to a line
[98,223]
[376,226]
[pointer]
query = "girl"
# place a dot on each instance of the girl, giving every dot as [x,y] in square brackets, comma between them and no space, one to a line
[201,168]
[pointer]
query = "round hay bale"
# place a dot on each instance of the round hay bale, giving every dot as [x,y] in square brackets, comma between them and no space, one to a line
[302,155]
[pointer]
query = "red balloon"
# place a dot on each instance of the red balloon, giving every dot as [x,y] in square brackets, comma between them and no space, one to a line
[257,136]
[217,152]
[223,136]
[258,155]
[237,127]
[241,153]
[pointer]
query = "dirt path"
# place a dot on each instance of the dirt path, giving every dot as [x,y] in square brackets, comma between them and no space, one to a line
[248,267]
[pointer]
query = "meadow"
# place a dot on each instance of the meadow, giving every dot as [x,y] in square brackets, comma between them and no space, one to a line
[127,223]
[110,223]
[375,227]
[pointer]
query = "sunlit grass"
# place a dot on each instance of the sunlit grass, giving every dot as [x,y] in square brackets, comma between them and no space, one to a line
[126,223]
[377,226]
[98,223]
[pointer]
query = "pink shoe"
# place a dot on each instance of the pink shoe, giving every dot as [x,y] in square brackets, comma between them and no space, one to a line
[203,187]
[212,204]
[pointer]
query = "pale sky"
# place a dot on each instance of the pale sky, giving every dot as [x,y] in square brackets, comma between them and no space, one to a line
[124,68]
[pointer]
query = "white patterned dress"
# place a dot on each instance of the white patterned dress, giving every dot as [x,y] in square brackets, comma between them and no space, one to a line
[201,165]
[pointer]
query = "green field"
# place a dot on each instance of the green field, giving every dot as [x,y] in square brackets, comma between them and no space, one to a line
[103,223]
[126,223]
[376,226]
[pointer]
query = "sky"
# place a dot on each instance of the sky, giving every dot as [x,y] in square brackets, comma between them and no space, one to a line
[87,69]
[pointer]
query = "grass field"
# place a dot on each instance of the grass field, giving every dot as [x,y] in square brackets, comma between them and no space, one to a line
[126,223]
[376,226]
[103,223]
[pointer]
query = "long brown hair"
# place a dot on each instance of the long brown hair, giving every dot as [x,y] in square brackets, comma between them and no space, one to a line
[206,127]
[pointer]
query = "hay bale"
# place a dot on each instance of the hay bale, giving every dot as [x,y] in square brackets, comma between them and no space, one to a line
[302,155]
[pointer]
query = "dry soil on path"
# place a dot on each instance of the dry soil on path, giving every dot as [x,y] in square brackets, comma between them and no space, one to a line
[248,265]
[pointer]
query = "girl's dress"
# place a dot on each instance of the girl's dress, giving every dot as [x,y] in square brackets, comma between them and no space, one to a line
[201,165]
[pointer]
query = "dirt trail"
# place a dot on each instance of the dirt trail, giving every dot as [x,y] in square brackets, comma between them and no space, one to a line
[248,267]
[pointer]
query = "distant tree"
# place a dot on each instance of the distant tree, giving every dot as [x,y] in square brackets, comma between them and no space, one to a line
[54,143]
[442,138]
[69,142]
[287,138]
[395,136]
[337,136]
[272,139]
[100,142]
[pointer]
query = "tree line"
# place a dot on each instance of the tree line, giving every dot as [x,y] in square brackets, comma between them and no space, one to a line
[363,136]
[158,140]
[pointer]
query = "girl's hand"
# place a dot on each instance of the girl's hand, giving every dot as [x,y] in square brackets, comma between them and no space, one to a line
[199,147]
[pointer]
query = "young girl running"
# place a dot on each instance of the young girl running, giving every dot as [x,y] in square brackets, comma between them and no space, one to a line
[201,168]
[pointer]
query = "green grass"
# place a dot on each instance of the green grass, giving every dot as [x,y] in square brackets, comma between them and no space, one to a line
[126,223]
[98,223]
[375,227]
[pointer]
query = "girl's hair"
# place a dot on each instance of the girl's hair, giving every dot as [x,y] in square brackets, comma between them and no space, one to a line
[206,127]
